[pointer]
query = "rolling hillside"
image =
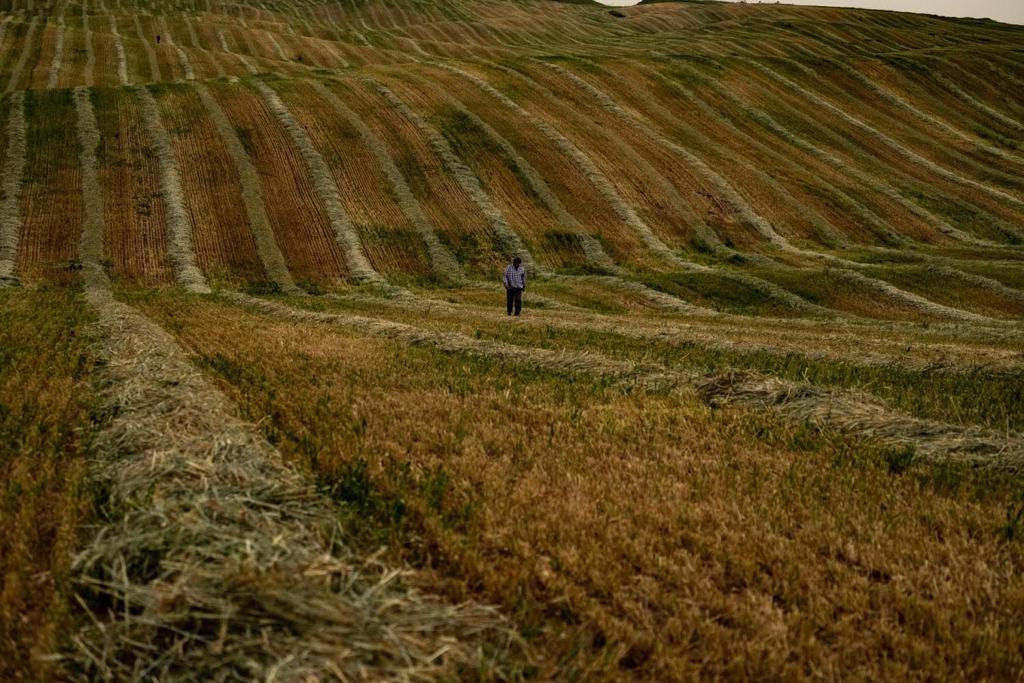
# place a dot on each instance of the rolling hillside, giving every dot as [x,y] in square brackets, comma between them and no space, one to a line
[263,415]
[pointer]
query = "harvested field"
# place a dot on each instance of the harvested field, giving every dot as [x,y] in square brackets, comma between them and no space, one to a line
[263,415]
[497,515]
[135,214]
[45,414]
[51,193]
[299,220]
[224,246]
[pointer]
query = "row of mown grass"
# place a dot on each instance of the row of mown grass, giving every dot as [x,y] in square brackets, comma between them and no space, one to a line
[45,415]
[638,535]
[971,396]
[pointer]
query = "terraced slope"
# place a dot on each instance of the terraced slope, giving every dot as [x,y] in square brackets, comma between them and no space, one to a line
[764,416]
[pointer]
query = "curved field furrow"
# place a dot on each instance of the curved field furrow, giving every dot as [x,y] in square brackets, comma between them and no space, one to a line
[221,239]
[27,48]
[442,260]
[345,233]
[508,241]
[300,224]
[251,195]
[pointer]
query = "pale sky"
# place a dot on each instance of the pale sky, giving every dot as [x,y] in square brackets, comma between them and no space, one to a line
[1011,11]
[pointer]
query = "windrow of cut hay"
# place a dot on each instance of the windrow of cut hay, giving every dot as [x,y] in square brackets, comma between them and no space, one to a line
[24,51]
[11,183]
[444,263]
[252,196]
[179,227]
[743,336]
[122,60]
[345,233]
[90,54]
[183,60]
[508,240]
[91,246]
[58,52]
[221,560]
[843,411]
[218,559]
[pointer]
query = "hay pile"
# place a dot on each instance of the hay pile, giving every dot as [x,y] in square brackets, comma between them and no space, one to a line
[218,562]
[861,414]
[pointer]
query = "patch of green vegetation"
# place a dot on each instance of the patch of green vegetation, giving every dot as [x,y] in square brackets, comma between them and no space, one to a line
[716,291]
[965,216]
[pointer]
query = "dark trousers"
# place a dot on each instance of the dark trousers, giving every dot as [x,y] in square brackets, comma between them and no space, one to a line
[514,299]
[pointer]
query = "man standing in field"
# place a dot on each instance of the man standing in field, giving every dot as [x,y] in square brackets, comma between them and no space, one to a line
[515,282]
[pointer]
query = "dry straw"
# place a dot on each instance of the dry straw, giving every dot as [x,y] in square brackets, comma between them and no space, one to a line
[220,562]
[345,232]
[179,226]
[844,411]
[216,560]
[26,50]
[252,195]
[122,61]
[58,52]
[508,240]
[10,204]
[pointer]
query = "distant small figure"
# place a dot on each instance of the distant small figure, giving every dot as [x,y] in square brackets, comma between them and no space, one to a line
[515,284]
[158,39]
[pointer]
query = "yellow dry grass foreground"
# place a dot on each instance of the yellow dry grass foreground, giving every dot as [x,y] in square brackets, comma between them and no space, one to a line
[633,534]
[45,361]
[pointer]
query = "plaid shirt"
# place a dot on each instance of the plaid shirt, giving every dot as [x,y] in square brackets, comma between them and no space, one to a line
[515,278]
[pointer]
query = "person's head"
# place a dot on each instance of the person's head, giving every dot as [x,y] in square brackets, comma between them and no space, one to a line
[517,261]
